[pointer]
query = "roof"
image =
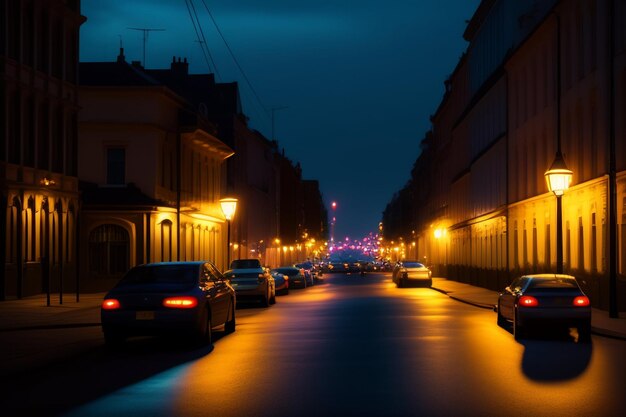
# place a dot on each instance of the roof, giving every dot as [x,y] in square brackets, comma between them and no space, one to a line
[118,73]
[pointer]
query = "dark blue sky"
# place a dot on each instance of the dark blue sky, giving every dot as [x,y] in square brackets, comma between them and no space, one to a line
[359,78]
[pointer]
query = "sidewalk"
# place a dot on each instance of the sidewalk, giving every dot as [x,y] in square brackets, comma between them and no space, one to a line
[33,313]
[33,335]
[601,323]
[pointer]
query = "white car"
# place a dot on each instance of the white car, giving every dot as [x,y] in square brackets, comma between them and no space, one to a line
[406,273]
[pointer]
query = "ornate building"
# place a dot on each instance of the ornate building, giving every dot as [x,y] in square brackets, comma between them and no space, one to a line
[152,171]
[39,199]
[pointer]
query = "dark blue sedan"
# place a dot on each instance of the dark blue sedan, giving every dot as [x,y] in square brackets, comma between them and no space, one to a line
[170,298]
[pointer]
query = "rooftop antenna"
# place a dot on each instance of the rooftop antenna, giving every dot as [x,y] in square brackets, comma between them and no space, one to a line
[145,38]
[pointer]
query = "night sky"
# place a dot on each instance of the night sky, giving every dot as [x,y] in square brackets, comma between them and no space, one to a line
[358,79]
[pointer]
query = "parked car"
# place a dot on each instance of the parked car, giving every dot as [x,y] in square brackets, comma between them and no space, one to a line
[189,298]
[311,269]
[282,282]
[307,268]
[554,299]
[409,272]
[295,275]
[253,283]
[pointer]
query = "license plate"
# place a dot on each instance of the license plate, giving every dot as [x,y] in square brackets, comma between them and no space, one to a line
[144,315]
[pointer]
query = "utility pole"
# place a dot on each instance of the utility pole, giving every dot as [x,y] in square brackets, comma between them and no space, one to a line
[145,39]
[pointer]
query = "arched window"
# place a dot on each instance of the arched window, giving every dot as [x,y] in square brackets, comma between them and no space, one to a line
[109,250]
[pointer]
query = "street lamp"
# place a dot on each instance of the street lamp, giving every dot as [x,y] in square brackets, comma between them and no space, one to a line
[559,178]
[229,207]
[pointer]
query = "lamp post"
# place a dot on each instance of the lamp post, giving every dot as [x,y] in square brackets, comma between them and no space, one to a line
[559,178]
[229,207]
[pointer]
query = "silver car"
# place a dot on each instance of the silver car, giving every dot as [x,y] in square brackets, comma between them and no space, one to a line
[253,283]
[411,272]
[533,300]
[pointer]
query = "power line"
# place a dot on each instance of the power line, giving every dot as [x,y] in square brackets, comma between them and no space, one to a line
[201,38]
[235,59]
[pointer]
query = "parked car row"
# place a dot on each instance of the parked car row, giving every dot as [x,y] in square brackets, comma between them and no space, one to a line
[529,302]
[191,299]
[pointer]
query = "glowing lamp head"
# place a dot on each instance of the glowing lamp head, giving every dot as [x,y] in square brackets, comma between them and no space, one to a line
[229,206]
[558,177]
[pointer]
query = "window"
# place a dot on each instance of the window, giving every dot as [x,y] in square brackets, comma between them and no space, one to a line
[116,166]
[109,250]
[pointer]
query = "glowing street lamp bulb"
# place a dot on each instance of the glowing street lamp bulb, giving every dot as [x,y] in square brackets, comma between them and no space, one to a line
[229,207]
[558,177]
[334,205]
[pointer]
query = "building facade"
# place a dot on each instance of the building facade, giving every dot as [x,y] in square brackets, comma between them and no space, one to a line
[531,70]
[152,171]
[39,196]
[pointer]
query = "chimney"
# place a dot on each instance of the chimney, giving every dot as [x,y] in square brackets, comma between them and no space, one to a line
[178,68]
[120,57]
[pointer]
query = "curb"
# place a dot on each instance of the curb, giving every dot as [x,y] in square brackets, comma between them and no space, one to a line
[607,333]
[595,330]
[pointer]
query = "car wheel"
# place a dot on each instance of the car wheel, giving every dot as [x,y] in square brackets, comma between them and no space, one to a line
[501,319]
[518,330]
[265,300]
[584,332]
[400,283]
[205,333]
[229,326]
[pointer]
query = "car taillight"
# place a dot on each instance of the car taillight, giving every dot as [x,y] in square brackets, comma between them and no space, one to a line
[111,304]
[528,301]
[180,302]
[581,301]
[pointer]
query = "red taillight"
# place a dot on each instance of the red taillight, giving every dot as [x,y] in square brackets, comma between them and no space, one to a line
[180,302]
[528,301]
[110,304]
[581,301]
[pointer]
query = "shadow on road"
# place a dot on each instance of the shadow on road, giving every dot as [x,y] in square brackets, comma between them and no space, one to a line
[62,386]
[553,356]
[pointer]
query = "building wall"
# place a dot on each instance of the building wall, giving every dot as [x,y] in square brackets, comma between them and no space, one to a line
[502,218]
[157,223]
[38,142]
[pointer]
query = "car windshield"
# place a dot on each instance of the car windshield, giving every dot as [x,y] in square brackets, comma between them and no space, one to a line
[413,265]
[245,264]
[161,274]
[552,283]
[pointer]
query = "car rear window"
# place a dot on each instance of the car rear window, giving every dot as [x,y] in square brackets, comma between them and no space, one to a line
[413,265]
[552,283]
[162,274]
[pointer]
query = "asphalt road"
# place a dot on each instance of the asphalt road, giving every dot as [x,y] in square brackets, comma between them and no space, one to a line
[354,346]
